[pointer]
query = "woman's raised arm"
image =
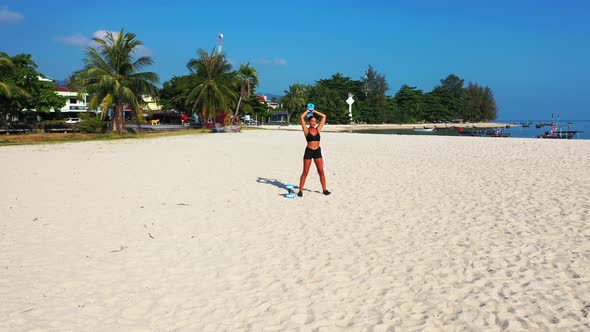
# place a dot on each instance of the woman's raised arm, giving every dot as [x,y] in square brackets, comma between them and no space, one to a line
[302,121]
[322,121]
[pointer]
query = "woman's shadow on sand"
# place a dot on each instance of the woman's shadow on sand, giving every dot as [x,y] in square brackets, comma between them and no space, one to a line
[278,184]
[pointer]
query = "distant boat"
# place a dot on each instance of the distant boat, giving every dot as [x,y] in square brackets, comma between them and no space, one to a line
[557,133]
[560,134]
[425,129]
[497,132]
[543,124]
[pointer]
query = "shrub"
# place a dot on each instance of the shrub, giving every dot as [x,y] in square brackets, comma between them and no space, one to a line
[92,124]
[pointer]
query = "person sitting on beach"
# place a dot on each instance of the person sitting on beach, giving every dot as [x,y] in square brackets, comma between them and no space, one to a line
[313,149]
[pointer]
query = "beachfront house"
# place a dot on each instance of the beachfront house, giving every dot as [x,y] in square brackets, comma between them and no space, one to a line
[264,100]
[74,104]
[277,115]
[152,103]
[154,114]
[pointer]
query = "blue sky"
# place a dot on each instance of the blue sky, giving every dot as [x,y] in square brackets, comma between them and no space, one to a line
[532,53]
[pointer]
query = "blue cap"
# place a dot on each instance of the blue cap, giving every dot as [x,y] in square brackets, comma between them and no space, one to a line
[310,106]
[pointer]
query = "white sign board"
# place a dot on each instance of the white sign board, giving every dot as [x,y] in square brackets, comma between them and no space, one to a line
[349,101]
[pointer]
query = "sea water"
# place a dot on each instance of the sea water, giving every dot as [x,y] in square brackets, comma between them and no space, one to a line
[578,125]
[515,129]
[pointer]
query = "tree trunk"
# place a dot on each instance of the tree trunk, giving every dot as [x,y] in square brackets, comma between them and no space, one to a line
[137,114]
[119,119]
[238,109]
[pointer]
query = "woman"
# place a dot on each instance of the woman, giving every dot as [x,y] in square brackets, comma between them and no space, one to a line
[313,149]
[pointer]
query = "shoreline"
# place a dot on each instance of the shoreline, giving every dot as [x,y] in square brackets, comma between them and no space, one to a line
[349,128]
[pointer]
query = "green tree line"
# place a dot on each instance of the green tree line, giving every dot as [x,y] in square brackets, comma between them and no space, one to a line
[22,87]
[113,78]
[449,100]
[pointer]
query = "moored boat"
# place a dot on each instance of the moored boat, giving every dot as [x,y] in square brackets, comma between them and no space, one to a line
[496,132]
[427,130]
[558,133]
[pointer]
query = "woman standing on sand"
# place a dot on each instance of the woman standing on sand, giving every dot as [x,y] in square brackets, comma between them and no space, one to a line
[313,149]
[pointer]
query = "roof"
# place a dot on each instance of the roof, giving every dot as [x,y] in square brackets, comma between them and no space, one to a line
[63,89]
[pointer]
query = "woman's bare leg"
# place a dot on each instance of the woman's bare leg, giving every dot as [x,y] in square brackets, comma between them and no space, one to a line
[306,165]
[319,164]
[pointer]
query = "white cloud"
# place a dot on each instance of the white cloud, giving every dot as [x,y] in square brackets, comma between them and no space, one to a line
[102,34]
[81,40]
[78,40]
[278,62]
[143,51]
[10,17]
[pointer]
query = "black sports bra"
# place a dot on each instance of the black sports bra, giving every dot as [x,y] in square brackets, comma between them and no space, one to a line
[311,138]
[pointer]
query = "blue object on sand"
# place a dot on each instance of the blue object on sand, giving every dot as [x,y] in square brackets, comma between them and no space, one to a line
[291,193]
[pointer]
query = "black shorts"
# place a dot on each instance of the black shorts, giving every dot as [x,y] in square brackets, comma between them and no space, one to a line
[312,154]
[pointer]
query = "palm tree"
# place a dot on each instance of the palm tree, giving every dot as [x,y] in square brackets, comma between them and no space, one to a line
[213,81]
[11,95]
[112,78]
[7,89]
[247,81]
[295,98]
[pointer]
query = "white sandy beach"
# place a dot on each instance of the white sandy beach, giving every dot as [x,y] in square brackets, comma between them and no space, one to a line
[192,233]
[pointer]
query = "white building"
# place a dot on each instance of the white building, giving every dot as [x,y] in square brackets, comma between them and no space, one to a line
[152,103]
[264,100]
[73,102]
